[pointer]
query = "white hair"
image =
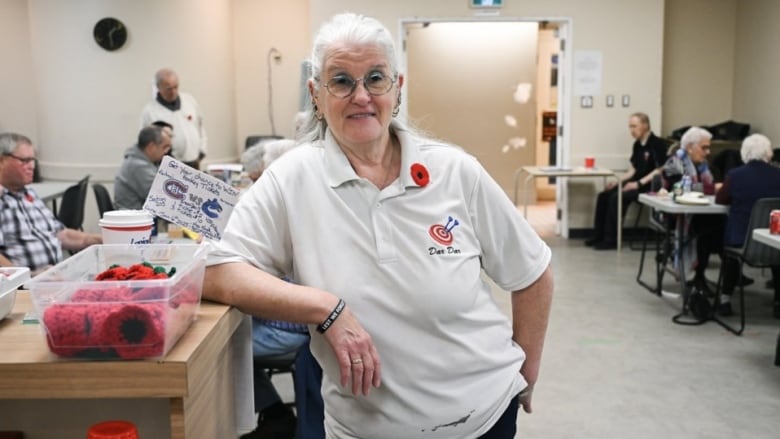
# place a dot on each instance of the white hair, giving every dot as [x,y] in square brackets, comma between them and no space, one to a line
[349,28]
[252,158]
[756,147]
[693,136]
[275,148]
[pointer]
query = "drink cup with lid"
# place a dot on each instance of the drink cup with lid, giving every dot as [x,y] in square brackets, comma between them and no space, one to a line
[127,227]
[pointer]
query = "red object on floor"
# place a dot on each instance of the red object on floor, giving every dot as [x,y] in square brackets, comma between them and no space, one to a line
[113,430]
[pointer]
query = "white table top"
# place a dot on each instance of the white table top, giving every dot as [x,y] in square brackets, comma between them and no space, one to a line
[553,171]
[49,190]
[666,204]
[763,236]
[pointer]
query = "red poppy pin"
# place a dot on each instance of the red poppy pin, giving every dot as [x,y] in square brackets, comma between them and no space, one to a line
[420,175]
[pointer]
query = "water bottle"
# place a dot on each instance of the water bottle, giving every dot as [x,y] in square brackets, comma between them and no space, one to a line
[686,184]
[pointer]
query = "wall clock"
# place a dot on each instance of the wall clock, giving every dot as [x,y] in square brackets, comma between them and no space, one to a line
[110,33]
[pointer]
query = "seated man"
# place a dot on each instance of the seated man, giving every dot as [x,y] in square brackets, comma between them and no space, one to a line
[139,167]
[31,234]
[742,188]
[647,157]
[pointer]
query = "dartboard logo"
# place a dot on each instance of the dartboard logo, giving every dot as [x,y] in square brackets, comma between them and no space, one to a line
[443,233]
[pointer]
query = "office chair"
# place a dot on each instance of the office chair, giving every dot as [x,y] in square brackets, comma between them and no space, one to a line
[103,198]
[276,365]
[71,213]
[752,253]
[251,140]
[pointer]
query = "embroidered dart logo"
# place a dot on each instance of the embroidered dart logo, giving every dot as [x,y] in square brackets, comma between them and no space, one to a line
[443,233]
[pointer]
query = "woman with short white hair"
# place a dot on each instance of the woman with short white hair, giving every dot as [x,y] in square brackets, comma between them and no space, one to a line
[742,188]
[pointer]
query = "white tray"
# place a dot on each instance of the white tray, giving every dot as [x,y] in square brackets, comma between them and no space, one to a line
[11,278]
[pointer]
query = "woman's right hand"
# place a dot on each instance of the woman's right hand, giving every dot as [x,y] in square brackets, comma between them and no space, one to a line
[355,351]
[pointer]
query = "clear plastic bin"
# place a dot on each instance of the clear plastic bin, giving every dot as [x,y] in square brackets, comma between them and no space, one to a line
[11,278]
[119,319]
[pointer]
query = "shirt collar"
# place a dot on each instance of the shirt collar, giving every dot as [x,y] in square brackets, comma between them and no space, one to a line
[338,170]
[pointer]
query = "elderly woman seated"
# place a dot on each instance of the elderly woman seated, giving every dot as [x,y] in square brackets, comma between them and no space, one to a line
[742,188]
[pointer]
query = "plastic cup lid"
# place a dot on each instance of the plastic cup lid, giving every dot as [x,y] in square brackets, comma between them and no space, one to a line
[126,218]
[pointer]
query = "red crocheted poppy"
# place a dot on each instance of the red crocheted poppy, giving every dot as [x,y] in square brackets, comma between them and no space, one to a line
[420,175]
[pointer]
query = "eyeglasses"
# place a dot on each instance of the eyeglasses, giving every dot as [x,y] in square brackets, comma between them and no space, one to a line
[376,83]
[24,160]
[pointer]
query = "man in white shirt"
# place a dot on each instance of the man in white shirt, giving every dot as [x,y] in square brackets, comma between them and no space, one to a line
[180,110]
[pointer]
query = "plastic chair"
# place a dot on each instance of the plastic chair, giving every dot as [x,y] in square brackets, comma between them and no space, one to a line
[71,213]
[752,253]
[103,198]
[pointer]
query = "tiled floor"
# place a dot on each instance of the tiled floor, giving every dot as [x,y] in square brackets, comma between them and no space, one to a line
[616,366]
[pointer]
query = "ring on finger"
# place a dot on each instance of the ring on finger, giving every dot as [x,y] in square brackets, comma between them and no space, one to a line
[357,361]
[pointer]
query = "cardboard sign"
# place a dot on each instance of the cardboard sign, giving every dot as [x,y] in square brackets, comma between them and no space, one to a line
[191,199]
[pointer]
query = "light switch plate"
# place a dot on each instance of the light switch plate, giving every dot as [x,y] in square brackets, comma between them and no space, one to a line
[626,100]
[586,101]
[610,100]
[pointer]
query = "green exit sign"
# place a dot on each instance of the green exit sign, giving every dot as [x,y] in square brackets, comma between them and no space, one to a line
[486,3]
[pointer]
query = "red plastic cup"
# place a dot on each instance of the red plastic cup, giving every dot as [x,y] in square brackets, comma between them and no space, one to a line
[590,162]
[113,430]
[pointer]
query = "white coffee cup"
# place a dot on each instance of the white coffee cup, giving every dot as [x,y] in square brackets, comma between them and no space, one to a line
[127,227]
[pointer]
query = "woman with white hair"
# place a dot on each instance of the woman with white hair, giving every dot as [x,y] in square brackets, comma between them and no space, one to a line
[387,234]
[742,188]
[691,160]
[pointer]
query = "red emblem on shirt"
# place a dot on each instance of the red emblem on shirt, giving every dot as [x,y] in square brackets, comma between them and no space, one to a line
[420,175]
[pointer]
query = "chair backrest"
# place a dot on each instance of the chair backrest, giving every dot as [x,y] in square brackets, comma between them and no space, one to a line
[755,253]
[251,140]
[71,213]
[103,198]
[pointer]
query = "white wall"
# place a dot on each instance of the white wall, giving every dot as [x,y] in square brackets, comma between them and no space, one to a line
[699,55]
[89,100]
[17,90]
[756,91]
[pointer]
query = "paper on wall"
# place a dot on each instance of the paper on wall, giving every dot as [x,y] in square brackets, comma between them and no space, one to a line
[191,199]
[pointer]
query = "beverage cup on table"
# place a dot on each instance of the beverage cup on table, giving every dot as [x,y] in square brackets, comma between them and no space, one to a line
[127,227]
[590,162]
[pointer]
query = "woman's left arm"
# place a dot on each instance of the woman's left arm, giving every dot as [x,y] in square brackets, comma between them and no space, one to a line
[530,314]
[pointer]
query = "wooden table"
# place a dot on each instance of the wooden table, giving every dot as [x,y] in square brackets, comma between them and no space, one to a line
[190,393]
[667,205]
[533,172]
[763,236]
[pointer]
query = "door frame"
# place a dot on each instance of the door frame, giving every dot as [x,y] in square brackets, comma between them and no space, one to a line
[565,73]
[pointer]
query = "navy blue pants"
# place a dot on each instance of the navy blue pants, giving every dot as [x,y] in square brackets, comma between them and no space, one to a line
[506,426]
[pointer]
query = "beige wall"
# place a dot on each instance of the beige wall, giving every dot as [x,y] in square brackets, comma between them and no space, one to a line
[17,91]
[698,63]
[90,100]
[259,25]
[469,108]
[756,90]
[631,66]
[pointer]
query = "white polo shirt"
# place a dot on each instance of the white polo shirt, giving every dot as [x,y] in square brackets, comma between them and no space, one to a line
[407,260]
[189,133]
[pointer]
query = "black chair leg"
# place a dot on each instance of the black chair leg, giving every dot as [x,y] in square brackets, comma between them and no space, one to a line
[717,318]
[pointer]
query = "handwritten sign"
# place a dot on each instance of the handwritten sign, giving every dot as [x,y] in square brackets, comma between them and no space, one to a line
[191,199]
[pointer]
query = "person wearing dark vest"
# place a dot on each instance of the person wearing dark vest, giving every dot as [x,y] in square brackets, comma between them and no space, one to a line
[741,189]
[647,158]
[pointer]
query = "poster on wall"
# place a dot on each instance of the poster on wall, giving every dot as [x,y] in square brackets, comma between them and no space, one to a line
[587,72]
